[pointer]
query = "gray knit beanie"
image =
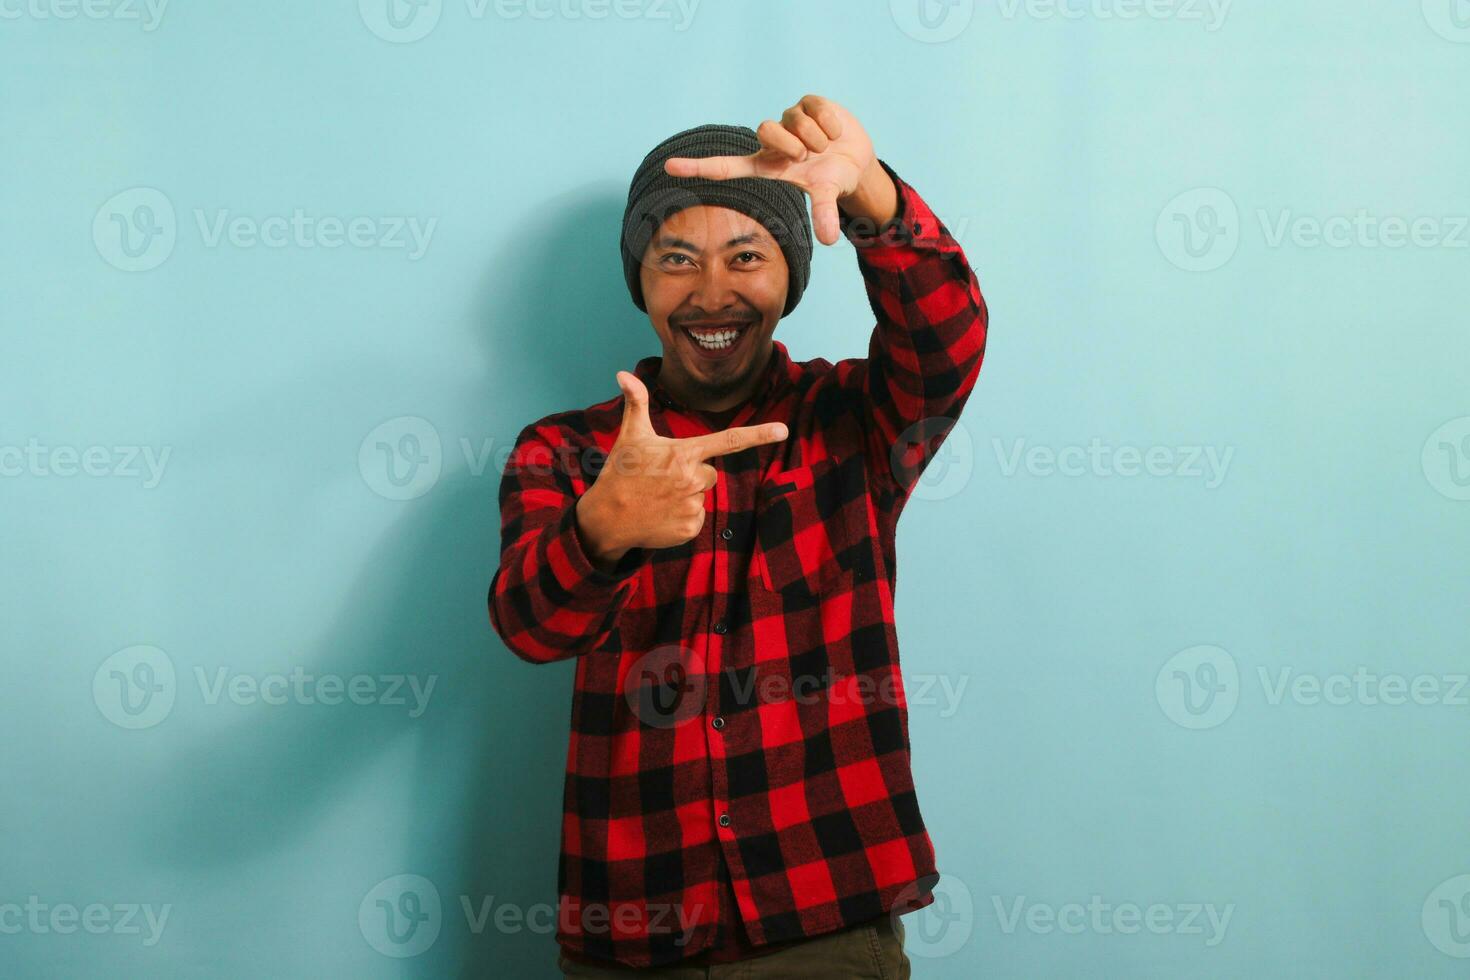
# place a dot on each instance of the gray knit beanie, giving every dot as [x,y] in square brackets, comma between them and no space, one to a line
[653,196]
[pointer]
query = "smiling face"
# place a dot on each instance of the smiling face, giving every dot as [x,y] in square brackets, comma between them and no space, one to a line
[714,282]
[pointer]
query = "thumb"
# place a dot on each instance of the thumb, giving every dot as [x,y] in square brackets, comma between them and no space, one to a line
[635,406]
[824,213]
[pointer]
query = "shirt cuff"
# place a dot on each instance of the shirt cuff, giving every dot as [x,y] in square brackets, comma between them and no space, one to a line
[913,227]
[570,541]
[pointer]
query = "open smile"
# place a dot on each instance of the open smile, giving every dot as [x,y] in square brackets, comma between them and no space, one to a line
[716,341]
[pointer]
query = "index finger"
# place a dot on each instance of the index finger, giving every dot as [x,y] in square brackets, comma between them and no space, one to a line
[711,168]
[736,439]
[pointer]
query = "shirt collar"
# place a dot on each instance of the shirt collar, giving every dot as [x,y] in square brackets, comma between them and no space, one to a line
[780,370]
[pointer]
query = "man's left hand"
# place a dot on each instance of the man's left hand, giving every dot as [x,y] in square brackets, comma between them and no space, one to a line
[821,148]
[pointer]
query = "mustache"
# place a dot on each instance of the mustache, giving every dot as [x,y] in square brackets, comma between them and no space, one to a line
[734,316]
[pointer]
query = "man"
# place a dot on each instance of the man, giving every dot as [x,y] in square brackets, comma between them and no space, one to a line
[716,548]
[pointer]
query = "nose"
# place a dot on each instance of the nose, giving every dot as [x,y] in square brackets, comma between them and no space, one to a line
[714,290]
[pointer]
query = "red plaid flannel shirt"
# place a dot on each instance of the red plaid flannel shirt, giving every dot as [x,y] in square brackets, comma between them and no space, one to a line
[738,697]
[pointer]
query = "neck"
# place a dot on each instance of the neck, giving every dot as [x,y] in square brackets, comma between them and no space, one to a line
[695,397]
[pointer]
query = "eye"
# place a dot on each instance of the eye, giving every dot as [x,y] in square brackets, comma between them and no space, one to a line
[754,256]
[670,258]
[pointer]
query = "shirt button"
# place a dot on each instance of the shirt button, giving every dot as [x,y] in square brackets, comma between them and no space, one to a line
[721,628]
[718,723]
[724,820]
[918,227]
[727,534]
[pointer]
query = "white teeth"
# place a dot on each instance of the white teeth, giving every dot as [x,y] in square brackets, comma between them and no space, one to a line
[718,340]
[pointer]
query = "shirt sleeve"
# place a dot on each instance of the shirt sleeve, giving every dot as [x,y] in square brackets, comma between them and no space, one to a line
[925,352]
[547,600]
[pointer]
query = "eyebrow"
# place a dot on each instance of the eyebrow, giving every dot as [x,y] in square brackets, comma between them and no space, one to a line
[669,241]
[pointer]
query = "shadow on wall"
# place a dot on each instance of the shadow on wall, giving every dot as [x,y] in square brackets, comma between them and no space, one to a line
[482,794]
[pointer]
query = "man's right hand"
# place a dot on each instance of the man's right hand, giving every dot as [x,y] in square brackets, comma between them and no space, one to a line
[651,490]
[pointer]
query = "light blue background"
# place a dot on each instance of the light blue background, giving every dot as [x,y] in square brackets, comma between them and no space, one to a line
[1055,147]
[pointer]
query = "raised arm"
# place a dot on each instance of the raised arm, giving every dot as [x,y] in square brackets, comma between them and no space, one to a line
[926,348]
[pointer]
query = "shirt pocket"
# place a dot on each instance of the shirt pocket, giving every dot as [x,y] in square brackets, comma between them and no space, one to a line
[808,525]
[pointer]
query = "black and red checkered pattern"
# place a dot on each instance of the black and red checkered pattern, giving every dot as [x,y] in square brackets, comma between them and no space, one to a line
[738,698]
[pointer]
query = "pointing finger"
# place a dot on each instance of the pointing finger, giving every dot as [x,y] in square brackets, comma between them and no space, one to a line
[711,168]
[736,439]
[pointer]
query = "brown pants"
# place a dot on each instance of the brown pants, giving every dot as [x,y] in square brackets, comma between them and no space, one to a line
[868,951]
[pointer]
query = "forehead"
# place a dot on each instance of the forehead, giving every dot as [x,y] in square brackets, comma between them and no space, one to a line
[711,226]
